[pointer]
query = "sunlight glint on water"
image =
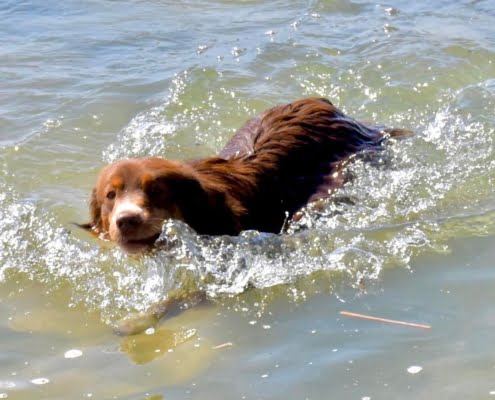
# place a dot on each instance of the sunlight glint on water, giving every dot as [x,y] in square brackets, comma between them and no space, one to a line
[86,83]
[406,202]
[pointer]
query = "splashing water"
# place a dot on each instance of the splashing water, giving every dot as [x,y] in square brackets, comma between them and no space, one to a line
[416,195]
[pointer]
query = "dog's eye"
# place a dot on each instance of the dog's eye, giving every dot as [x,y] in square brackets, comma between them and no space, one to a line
[111,195]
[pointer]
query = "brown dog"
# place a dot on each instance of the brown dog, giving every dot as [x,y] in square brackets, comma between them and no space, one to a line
[278,162]
[274,165]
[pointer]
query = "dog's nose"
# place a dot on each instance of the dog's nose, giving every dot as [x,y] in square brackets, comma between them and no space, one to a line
[129,222]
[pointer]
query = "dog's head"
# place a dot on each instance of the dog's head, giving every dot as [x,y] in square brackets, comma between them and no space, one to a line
[132,199]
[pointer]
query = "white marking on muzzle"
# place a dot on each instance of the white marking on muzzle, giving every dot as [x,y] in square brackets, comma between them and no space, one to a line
[126,208]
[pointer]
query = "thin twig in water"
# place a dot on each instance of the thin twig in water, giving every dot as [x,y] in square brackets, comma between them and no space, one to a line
[221,346]
[385,320]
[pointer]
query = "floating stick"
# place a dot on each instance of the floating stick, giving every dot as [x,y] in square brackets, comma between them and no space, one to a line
[385,320]
[221,346]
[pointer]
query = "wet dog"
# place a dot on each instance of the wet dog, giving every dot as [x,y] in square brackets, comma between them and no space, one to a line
[277,163]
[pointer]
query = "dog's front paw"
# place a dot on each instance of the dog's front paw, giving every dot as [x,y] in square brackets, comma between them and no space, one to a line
[134,323]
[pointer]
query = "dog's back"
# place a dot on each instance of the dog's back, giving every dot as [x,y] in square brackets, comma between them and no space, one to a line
[301,148]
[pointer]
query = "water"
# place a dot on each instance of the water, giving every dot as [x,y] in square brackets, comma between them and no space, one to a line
[86,83]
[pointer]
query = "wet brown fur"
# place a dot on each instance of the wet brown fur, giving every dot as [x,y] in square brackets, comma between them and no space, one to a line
[273,166]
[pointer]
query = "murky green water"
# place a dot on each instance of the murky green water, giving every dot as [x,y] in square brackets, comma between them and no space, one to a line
[85,83]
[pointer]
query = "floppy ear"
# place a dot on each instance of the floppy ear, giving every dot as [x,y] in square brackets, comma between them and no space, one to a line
[186,193]
[205,208]
[95,211]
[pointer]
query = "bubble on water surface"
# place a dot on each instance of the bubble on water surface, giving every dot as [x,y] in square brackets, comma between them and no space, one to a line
[73,353]
[40,381]
[414,369]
